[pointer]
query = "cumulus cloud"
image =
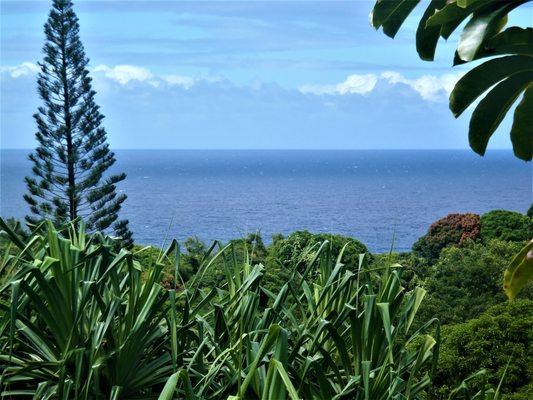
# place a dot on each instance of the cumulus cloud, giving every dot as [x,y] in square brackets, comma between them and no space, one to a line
[17,71]
[179,80]
[124,74]
[359,84]
[121,74]
[429,87]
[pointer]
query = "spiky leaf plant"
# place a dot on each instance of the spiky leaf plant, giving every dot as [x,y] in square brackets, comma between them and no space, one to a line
[83,324]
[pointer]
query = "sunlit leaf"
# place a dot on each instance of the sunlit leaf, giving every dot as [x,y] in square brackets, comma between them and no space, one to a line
[519,272]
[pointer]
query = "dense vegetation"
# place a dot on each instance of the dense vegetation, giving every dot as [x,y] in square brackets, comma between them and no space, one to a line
[255,321]
[498,340]
[467,280]
[82,323]
[454,229]
[506,225]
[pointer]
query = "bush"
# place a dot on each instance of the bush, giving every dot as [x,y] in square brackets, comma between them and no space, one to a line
[465,281]
[506,225]
[149,256]
[250,249]
[452,230]
[501,333]
[415,269]
[290,253]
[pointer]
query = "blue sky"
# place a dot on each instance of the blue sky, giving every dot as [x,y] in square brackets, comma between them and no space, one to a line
[242,74]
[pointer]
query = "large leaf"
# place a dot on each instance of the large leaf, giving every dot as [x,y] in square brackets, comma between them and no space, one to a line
[519,272]
[391,14]
[513,40]
[481,37]
[492,109]
[481,78]
[427,37]
[481,26]
[522,129]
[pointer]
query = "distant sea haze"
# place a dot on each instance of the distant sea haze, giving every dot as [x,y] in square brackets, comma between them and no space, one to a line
[373,196]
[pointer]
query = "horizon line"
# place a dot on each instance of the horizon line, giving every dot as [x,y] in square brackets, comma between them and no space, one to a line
[285,149]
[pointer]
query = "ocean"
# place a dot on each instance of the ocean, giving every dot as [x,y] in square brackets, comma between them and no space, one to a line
[374,196]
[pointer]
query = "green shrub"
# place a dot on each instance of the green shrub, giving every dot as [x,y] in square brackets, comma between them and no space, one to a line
[452,230]
[467,280]
[149,256]
[506,225]
[415,269]
[290,252]
[500,334]
[250,249]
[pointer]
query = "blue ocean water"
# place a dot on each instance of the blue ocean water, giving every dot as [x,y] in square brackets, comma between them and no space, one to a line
[371,195]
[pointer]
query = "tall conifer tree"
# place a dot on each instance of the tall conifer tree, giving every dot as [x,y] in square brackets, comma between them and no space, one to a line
[71,161]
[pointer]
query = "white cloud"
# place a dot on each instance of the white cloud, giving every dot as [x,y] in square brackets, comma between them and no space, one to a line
[429,87]
[179,80]
[120,74]
[24,69]
[124,74]
[360,84]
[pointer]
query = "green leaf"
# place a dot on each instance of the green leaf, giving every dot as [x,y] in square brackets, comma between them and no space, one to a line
[395,20]
[492,109]
[286,380]
[427,37]
[481,78]
[522,129]
[478,29]
[172,383]
[513,40]
[382,11]
[519,272]
[453,13]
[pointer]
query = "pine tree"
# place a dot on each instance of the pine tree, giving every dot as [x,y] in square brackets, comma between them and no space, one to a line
[71,162]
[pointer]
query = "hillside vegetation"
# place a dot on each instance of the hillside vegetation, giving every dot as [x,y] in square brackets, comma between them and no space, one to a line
[310,316]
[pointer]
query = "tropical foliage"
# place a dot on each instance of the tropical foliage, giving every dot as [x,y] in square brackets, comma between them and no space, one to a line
[289,251]
[506,225]
[499,341]
[507,75]
[454,229]
[467,280]
[81,323]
